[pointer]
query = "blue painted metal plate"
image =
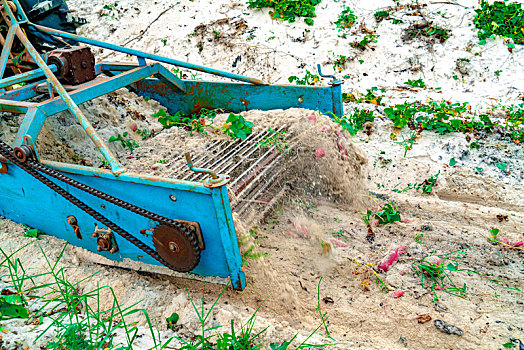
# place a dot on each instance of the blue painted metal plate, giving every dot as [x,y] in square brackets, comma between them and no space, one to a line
[34,204]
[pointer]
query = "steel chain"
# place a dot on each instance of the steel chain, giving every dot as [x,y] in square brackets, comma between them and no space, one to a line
[32,167]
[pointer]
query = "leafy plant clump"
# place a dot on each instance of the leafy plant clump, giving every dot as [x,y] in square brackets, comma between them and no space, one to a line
[125,140]
[345,20]
[381,15]
[500,18]
[371,96]
[277,139]
[194,122]
[445,117]
[365,41]
[237,127]
[308,79]
[514,123]
[426,186]
[432,32]
[288,10]
[438,272]
[388,214]
[355,121]
[416,83]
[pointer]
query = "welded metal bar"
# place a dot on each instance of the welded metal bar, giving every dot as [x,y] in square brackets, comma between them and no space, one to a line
[247,147]
[147,55]
[263,186]
[254,165]
[230,167]
[182,168]
[19,78]
[243,146]
[6,50]
[84,122]
[225,160]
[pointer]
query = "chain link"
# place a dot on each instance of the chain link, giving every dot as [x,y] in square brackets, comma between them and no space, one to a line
[33,168]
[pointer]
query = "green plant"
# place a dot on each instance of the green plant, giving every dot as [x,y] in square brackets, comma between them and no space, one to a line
[370,96]
[388,214]
[172,320]
[276,139]
[323,315]
[355,121]
[408,143]
[514,123]
[288,10]
[125,140]
[497,72]
[501,18]
[77,320]
[431,31]
[381,15]
[442,117]
[233,340]
[340,61]
[103,163]
[196,122]
[308,79]
[426,186]
[237,127]
[416,83]
[345,20]
[144,133]
[164,41]
[365,41]
[110,10]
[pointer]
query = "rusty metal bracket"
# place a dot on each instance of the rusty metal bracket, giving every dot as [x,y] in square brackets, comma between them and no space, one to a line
[216,180]
[194,228]
[3,165]
[71,220]
[105,239]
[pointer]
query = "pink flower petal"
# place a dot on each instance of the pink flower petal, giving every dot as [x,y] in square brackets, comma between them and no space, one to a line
[393,257]
[313,118]
[134,127]
[339,243]
[518,244]
[397,294]
[320,153]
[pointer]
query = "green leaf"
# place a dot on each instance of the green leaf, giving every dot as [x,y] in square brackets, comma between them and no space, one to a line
[452,162]
[502,166]
[452,267]
[172,320]
[34,233]
[509,345]
[494,232]
[9,310]
[160,113]
[232,118]
[478,169]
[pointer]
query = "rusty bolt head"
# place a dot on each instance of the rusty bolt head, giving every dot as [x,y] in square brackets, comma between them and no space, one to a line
[173,247]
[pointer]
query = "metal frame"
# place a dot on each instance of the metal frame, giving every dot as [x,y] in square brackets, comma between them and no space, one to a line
[25,200]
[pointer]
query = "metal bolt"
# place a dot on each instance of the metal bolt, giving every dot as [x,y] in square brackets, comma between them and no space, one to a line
[173,247]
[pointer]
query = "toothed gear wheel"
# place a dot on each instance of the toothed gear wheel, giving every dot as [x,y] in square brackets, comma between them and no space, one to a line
[177,246]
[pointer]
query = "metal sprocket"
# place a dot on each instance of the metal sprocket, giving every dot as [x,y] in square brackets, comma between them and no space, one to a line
[176,247]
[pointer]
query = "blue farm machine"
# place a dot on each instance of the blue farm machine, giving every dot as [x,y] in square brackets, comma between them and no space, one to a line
[185,224]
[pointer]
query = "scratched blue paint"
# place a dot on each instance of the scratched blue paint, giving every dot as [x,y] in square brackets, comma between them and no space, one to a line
[238,97]
[26,200]
[33,204]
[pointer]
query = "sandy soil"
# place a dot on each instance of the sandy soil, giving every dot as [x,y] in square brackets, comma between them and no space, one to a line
[321,236]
